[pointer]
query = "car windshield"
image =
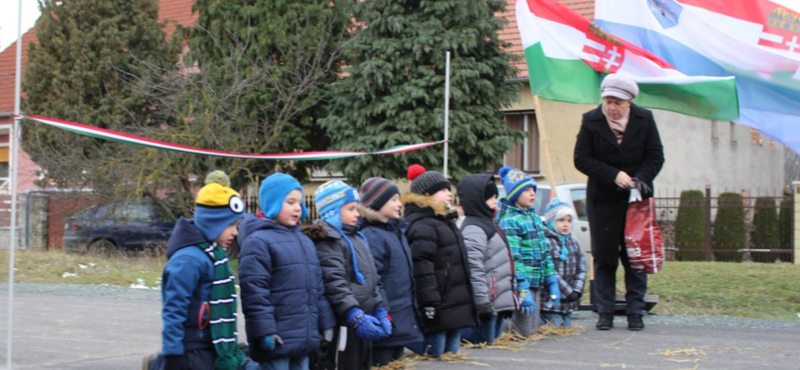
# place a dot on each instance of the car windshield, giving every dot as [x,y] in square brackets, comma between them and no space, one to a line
[542,198]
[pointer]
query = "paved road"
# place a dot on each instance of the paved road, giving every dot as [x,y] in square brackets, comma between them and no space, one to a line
[100,328]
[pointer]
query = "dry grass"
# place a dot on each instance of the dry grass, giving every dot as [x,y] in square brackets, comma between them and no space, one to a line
[511,341]
[684,352]
[70,268]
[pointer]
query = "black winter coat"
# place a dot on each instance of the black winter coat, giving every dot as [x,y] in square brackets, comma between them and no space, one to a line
[341,287]
[600,157]
[389,247]
[441,270]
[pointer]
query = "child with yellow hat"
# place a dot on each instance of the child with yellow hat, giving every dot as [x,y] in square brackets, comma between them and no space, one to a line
[198,287]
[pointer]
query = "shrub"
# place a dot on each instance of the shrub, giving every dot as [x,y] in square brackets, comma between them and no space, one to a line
[767,233]
[729,228]
[690,230]
[785,223]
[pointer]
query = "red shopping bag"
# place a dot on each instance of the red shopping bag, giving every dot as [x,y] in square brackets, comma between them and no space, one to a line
[643,239]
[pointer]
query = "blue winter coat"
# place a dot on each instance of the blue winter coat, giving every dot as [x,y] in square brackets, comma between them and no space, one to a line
[389,247]
[185,286]
[282,289]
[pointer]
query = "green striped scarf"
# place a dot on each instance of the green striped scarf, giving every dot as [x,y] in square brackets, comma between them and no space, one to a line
[223,310]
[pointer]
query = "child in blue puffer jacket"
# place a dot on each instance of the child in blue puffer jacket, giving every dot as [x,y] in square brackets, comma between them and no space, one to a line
[385,229]
[283,296]
[198,289]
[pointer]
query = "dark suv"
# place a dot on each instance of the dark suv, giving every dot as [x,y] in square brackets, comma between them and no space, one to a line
[124,226]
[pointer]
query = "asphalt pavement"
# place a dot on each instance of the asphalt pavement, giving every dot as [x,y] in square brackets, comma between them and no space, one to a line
[97,328]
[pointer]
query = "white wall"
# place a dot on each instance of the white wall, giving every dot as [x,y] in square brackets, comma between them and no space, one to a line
[720,154]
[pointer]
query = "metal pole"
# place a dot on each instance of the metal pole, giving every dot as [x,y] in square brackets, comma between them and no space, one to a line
[446,110]
[13,178]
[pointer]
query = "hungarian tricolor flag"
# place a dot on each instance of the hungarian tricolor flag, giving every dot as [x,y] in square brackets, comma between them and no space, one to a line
[568,56]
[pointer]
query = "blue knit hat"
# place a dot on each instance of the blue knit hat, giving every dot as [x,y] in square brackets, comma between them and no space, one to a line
[273,192]
[329,199]
[515,182]
[556,210]
[217,206]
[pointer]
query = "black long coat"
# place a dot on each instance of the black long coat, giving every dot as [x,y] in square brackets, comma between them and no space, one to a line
[441,270]
[600,157]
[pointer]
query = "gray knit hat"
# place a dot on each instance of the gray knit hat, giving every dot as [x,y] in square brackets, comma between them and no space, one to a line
[619,86]
[426,182]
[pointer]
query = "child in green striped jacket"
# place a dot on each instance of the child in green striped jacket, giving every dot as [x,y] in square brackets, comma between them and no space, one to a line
[524,230]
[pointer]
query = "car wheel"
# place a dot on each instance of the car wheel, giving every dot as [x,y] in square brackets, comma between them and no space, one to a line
[101,248]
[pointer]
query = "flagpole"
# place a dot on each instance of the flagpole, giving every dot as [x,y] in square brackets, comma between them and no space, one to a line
[446,110]
[551,176]
[14,144]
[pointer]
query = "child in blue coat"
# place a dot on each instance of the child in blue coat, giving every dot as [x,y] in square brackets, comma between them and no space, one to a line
[385,229]
[283,296]
[198,288]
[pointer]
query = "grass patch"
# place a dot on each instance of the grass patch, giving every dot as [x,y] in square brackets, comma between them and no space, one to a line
[51,267]
[764,291]
[756,290]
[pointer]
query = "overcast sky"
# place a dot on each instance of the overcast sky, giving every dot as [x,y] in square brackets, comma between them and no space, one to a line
[8,19]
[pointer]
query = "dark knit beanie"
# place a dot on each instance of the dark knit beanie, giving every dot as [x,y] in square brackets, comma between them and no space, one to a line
[426,182]
[376,191]
[491,190]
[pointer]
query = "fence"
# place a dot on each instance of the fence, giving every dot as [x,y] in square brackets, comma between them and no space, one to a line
[721,229]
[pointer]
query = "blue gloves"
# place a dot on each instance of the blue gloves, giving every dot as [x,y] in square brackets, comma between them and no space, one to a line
[555,291]
[386,322]
[527,306]
[366,326]
[271,341]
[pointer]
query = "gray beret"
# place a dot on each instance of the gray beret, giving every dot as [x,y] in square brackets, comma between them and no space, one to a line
[619,86]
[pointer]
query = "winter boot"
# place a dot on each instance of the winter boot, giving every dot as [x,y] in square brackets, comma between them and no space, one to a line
[605,322]
[635,322]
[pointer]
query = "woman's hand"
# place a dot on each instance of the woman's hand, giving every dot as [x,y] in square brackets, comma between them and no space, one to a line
[624,181]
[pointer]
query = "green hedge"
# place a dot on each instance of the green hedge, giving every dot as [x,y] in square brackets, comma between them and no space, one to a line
[730,233]
[767,232]
[786,224]
[690,230]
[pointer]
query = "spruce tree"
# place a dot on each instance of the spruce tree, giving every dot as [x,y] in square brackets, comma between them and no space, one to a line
[78,71]
[292,50]
[393,92]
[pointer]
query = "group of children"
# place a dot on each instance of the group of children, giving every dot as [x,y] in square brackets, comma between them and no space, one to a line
[377,273]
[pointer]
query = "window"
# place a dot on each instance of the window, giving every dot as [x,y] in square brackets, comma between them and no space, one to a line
[525,154]
[579,202]
[133,212]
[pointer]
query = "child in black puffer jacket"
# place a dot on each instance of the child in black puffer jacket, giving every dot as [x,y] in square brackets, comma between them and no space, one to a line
[441,270]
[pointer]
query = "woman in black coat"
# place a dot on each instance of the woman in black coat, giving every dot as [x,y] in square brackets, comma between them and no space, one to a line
[618,144]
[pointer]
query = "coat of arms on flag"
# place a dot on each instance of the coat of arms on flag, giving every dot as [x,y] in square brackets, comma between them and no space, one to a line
[602,51]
